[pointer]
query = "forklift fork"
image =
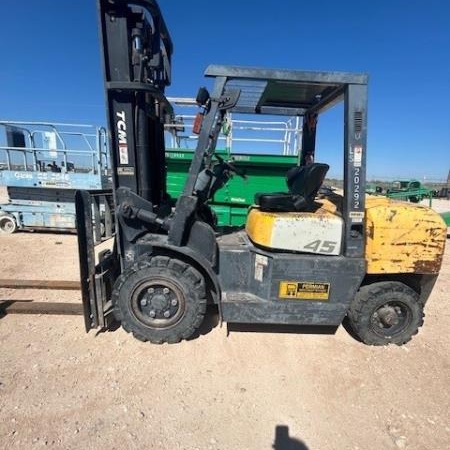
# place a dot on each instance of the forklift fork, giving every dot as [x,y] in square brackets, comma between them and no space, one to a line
[96,247]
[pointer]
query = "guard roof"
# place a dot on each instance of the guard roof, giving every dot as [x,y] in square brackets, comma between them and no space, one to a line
[284,92]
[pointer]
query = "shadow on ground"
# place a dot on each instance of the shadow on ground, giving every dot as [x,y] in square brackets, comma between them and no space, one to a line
[284,442]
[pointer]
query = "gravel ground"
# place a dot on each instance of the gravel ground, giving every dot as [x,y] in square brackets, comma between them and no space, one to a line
[65,389]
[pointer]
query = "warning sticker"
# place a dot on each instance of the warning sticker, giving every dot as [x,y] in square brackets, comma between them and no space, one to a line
[261,261]
[356,216]
[304,290]
[357,155]
[123,153]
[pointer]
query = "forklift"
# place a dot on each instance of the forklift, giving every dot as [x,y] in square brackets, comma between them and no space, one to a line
[305,257]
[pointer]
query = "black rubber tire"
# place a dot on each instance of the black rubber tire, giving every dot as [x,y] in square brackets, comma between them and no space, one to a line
[370,298]
[185,278]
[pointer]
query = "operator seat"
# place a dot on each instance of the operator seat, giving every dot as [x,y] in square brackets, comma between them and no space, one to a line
[303,183]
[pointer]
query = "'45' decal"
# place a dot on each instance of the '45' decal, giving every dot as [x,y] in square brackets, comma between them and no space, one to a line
[320,246]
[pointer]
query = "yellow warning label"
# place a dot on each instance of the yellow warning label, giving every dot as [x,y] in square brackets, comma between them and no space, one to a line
[304,290]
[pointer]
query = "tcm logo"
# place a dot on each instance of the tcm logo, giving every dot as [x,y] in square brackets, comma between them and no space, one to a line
[121,127]
[122,137]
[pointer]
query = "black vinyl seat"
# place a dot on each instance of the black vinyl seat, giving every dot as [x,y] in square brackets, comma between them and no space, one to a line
[303,183]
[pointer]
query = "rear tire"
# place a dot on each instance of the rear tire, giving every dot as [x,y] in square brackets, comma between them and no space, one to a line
[387,312]
[8,224]
[160,300]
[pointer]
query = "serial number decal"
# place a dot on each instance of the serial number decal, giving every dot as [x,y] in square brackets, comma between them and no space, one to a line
[304,290]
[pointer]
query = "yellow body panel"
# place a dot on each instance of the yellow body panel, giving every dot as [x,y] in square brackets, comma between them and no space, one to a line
[260,224]
[403,237]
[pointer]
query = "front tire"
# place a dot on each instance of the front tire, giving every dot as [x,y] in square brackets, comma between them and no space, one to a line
[161,300]
[387,312]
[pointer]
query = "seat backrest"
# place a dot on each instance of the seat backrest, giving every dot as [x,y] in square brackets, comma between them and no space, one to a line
[306,180]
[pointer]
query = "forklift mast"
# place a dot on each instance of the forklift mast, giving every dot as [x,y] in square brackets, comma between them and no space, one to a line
[137,50]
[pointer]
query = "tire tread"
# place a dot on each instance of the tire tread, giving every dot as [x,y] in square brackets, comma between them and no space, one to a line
[367,296]
[193,282]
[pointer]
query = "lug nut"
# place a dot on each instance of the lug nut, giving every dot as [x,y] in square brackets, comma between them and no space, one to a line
[144,302]
[174,302]
[152,313]
[150,290]
[166,314]
[166,291]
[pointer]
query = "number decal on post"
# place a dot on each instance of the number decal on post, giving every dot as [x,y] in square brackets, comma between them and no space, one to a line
[319,246]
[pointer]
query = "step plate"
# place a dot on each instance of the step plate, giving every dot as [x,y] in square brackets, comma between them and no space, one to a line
[247,308]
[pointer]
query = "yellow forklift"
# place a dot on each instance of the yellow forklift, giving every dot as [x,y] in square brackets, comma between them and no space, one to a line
[303,258]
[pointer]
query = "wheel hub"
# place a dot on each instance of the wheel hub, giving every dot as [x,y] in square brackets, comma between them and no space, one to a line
[158,303]
[391,318]
[388,316]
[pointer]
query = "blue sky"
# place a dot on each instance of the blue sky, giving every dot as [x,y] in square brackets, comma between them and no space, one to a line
[51,67]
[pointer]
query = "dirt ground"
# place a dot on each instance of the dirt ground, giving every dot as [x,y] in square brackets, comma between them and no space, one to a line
[62,388]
